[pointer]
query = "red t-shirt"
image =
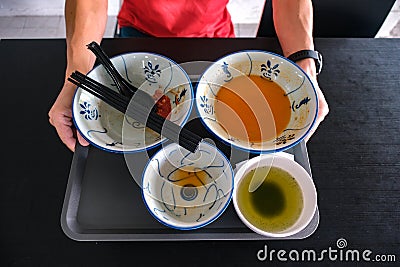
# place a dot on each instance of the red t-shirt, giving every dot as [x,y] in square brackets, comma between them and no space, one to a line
[178,18]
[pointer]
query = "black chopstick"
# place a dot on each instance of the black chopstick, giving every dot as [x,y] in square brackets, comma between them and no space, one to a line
[124,101]
[172,131]
[111,70]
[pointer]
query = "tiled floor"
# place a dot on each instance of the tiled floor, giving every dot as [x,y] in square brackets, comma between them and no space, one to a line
[40,27]
[50,23]
[15,27]
[391,26]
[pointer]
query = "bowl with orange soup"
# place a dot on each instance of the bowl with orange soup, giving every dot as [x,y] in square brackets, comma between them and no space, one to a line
[257,101]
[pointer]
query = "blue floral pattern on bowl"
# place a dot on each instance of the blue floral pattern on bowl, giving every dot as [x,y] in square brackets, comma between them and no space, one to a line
[88,111]
[270,72]
[207,107]
[152,73]
[225,69]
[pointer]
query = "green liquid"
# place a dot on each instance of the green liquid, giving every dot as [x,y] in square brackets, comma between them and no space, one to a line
[276,204]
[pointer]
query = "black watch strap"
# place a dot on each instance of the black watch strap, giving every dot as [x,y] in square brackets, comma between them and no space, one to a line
[302,54]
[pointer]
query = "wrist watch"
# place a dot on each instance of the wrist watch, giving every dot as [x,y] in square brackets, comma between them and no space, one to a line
[302,54]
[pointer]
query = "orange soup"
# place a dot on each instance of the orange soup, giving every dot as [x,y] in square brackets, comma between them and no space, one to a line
[252,108]
[190,177]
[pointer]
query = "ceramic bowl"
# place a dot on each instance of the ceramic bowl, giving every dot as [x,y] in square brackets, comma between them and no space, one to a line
[298,173]
[185,190]
[107,128]
[302,102]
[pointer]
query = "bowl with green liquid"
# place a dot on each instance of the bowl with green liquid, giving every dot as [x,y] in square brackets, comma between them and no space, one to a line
[283,203]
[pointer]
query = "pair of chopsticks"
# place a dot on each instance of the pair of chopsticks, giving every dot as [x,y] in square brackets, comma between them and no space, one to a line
[137,111]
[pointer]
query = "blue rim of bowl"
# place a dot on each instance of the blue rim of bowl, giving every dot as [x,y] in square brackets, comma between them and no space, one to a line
[148,147]
[250,149]
[205,223]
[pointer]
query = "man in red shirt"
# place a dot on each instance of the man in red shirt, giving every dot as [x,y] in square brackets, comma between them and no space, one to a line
[163,18]
[86,22]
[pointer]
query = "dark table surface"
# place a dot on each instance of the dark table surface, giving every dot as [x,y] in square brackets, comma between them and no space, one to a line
[354,157]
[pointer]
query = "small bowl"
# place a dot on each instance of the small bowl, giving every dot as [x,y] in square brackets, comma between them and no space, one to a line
[307,192]
[184,190]
[301,105]
[108,129]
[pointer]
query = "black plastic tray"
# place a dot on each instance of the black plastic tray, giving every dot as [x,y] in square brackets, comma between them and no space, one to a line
[103,200]
[104,203]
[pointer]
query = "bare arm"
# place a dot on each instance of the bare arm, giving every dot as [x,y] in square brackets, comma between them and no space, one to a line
[293,21]
[85,22]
